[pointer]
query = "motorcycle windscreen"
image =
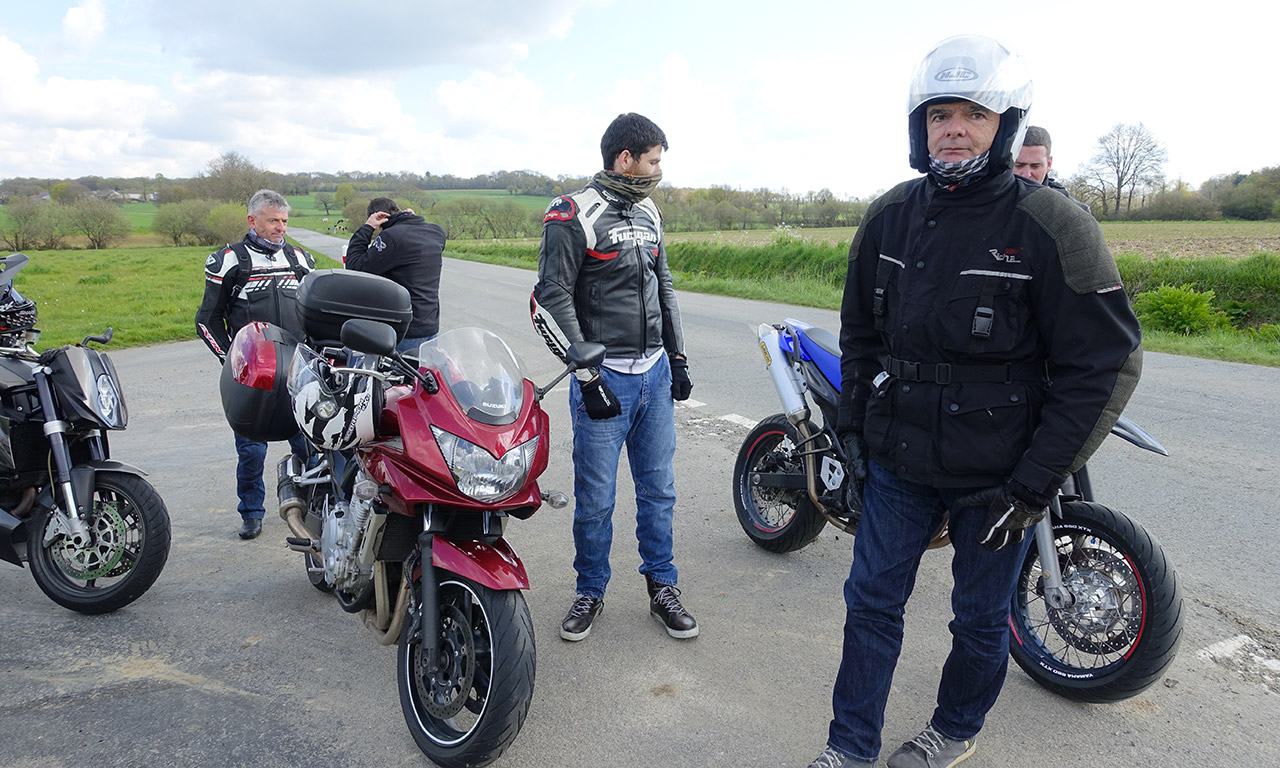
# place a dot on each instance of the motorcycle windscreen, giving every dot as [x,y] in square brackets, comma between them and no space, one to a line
[481,372]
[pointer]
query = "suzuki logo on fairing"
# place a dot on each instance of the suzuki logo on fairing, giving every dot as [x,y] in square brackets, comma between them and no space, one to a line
[1008,255]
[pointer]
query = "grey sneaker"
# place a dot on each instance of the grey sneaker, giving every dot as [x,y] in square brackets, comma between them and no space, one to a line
[931,750]
[832,759]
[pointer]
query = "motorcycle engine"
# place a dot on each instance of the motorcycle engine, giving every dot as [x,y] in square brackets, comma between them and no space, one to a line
[343,531]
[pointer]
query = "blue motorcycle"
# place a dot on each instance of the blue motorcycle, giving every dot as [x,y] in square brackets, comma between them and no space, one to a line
[1097,612]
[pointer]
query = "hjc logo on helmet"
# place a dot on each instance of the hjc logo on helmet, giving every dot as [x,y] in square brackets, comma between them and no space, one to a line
[956,72]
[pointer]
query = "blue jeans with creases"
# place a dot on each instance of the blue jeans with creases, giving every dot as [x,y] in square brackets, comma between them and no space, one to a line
[647,428]
[250,457]
[898,520]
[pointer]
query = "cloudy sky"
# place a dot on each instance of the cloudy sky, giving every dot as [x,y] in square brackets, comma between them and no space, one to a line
[797,96]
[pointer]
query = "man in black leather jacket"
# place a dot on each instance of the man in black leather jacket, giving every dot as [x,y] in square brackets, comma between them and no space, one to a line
[987,347]
[402,246]
[254,279]
[603,277]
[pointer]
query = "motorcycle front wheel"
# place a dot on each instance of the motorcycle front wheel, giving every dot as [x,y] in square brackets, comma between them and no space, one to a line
[465,707]
[129,525]
[770,489]
[1123,627]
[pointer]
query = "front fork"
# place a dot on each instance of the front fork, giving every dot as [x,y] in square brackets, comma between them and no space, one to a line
[70,518]
[1055,594]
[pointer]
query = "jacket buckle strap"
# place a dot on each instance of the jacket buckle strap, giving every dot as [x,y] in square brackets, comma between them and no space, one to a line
[877,304]
[942,373]
[908,370]
[983,319]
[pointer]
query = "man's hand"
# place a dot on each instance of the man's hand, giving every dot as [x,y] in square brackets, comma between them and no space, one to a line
[1011,508]
[681,384]
[376,219]
[599,400]
[855,469]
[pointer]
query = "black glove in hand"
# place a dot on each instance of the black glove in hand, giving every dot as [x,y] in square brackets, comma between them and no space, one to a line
[599,400]
[1011,508]
[855,469]
[681,384]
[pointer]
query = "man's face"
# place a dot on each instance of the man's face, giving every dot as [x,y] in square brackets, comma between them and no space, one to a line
[270,223]
[959,130]
[1033,163]
[647,164]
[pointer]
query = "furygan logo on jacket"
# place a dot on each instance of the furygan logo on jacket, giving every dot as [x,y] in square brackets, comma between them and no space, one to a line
[630,232]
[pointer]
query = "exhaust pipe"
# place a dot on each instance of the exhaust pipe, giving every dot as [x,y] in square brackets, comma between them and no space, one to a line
[292,504]
[785,378]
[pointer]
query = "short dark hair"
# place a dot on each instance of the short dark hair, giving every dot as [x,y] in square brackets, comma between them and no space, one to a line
[1038,137]
[384,204]
[635,133]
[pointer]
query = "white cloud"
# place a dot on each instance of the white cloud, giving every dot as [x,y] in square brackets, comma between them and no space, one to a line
[84,24]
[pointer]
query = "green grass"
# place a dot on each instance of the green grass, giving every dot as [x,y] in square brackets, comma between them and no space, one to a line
[147,295]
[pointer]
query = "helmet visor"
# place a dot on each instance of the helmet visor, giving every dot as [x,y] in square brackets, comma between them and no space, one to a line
[972,68]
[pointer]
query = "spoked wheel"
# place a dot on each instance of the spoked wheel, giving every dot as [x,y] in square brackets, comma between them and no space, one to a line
[466,706]
[129,528]
[770,491]
[1122,629]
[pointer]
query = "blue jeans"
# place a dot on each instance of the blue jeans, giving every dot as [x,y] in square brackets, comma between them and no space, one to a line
[647,427]
[410,345]
[251,455]
[898,520]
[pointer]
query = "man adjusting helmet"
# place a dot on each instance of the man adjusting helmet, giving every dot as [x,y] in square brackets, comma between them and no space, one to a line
[987,347]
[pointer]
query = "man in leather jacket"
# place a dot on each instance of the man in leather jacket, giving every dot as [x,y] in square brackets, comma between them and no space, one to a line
[987,347]
[402,246]
[603,277]
[254,279]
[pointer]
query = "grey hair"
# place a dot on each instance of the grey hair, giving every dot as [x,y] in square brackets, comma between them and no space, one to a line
[266,198]
[1038,137]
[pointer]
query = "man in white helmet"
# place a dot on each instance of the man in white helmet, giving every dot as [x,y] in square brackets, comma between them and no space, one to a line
[970,290]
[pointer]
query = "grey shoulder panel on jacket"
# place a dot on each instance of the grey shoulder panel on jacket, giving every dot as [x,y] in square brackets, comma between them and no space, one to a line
[895,195]
[1087,265]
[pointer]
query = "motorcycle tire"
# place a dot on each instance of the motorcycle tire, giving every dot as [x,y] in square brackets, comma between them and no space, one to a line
[1122,631]
[130,527]
[468,710]
[776,519]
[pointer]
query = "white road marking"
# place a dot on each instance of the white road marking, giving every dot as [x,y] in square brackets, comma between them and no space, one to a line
[1226,648]
[734,418]
[690,403]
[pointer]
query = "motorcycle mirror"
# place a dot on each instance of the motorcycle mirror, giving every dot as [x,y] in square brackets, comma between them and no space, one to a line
[369,336]
[585,354]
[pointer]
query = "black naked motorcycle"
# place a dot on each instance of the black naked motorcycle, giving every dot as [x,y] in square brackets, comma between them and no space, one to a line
[1097,611]
[95,533]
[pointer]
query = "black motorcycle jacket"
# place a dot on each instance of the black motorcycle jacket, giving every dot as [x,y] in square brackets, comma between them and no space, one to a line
[409,251]
[268,293]
[984,334]
[603,277]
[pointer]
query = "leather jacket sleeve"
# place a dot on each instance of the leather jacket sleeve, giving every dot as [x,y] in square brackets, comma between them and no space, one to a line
[672,330]
[211,317]
[559,260]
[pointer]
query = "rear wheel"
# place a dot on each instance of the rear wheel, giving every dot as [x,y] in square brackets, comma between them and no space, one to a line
[465,706]
[129,528]
[770,489]
[1123,627]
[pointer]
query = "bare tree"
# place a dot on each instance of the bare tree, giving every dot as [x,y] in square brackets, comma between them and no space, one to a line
[1128,157]
[233,178]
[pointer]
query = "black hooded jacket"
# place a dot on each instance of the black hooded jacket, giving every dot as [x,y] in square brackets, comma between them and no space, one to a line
[409,251]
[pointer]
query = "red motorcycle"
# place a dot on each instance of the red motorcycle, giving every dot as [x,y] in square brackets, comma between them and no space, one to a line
[400,511]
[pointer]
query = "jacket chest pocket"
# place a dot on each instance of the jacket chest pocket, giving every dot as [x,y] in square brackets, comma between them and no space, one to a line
[987,312]
[886,297]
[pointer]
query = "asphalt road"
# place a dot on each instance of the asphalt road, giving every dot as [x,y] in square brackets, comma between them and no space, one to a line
[233,659]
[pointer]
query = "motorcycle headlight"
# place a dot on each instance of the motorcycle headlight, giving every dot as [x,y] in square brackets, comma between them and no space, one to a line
[108,402]
[477,473]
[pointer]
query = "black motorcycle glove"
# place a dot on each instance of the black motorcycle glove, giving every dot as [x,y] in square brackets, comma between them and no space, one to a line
[598,399]
[1011,509]
[855,469]
[681,384]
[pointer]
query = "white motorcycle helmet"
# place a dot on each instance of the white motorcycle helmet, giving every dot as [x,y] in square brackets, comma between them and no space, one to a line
[978,69]
[335,411]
